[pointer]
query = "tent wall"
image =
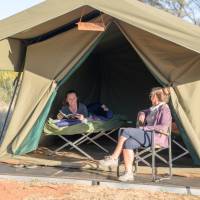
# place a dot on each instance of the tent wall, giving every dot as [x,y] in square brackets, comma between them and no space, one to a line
[46,62]
[178,66]
[12,52]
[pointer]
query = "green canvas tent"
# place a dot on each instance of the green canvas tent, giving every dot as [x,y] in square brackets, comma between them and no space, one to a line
[44,43]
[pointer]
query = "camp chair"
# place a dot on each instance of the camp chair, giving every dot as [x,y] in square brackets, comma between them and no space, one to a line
[153,151]
[85,130]
[184,151]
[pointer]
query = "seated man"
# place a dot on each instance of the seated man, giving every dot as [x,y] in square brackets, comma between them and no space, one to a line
[73,106]
[157,118]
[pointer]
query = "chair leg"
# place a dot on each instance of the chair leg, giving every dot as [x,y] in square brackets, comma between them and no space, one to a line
[120,157]
[153,152]
[169,162]
[85,138]
[153,156]
[153,165]
[118,166]
[103,133]
[68,142]
[136,161]
[118,169]
[170,158]
[185,151]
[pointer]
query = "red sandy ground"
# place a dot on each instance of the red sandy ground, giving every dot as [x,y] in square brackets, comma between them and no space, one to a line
[13,190]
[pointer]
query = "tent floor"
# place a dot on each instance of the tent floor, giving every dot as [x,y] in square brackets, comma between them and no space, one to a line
[59,172]
[183,176]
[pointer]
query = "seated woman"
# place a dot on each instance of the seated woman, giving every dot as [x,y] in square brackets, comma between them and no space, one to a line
[73,106]
[157,118]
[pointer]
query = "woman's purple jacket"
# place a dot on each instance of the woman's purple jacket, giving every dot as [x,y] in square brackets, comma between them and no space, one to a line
[162,124]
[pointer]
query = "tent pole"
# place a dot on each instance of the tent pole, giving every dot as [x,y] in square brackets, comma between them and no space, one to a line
[10,104]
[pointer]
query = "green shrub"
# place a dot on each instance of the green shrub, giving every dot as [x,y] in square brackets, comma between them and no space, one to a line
[6,92]
[6,85]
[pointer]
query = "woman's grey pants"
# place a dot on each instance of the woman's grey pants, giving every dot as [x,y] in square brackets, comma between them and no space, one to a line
[136,138]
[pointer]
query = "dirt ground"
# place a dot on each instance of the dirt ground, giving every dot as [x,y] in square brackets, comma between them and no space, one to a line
[13,190]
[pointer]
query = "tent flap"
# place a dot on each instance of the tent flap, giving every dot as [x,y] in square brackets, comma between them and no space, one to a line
[33,138]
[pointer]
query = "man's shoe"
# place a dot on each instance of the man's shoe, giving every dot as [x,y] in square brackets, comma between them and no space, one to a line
[128,176]
[108,161]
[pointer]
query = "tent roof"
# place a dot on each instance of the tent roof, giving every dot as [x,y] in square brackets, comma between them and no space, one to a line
[50,15]
[37,19]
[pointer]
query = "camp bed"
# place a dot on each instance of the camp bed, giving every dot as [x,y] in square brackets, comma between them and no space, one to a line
[85,130]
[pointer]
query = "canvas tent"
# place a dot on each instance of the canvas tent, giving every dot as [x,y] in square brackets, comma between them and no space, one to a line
[43,42]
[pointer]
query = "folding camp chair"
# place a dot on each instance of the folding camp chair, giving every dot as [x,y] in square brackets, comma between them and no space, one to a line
[153,151]
[184,150]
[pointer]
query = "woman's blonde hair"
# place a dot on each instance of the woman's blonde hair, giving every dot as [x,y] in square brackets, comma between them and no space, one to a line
[163,94]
